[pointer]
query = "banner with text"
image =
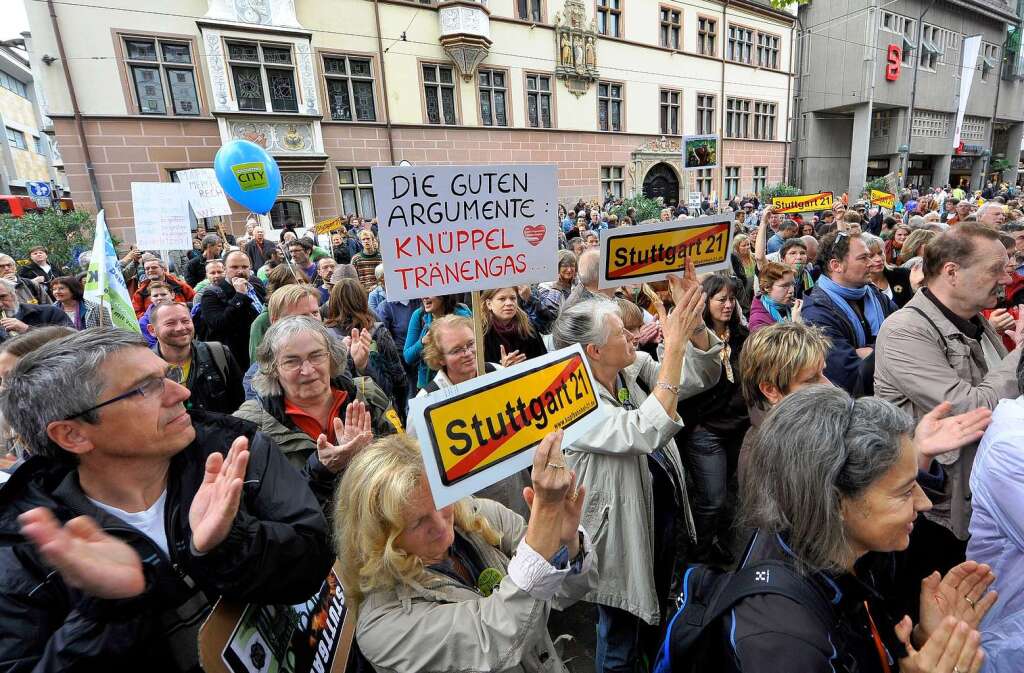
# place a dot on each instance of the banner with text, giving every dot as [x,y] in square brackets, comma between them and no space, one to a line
[160,213]
[803,203]
[477,433]
[205,194]
[883,199]
[447,229]
[650,252]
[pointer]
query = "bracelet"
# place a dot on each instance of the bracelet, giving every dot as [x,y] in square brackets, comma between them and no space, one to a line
[668,386]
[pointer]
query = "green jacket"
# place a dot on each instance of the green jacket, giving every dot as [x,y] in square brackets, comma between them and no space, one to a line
[258,328]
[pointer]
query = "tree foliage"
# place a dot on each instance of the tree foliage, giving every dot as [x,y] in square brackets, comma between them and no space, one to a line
[878,184]
[61,232]
[778,189]
[646,208]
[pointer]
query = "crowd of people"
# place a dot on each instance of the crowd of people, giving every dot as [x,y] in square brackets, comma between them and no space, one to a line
[841,405]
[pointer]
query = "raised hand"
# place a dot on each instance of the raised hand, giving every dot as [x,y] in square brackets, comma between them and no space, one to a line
[552,484]
[87,558]
[953,648]
[687,314]
[937,432]
[509,359]
[351,436]
[216,502]
[1001,320]
[963,593]
[359,345]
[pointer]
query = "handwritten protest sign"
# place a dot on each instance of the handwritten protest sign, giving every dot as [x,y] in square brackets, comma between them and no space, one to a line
[650,252]
[312,637]
[883,199]
[447,229]
[205,194]
[804,203]
[160,213]
[477,433]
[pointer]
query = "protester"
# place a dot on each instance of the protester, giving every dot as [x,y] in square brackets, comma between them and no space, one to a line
[630,464]
[915,245]
[849,310]
[992,215]
[414,570]
[39,270]
[214,270]
[324,270]
[195,270]
[588,268]
[138,517]
[787,229]
[744,268]
[259,248]
[894,246]
[509,338]
[18,318]
[892,281]
[230,307]
[378,295]
[156,270]
[26,291]
[432,309]
[69,295]
[207,369]
[776,302]
[552,294]
[836,493]
[367,259]
[300,250]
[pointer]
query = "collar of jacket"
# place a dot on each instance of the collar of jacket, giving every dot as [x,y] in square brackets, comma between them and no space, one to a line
[274,404]
[972,328]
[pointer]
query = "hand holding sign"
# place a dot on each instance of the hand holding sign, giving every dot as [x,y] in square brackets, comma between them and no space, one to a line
[553,485]
[688,312]
[572,497]
[351,437]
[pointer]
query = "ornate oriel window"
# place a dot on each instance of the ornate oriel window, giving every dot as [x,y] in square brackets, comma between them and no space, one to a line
[261,73]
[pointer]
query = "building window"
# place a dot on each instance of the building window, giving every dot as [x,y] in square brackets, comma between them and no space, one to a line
[611,181]
[898,24]
[12,84]
[350,88]
[737,118]
[764,120]
[163,76]
[538,101]
[973,128]
[670,112]
[705,113]
[732,181]
[704,181]
[38,144]
[760,179]
[16,139]
[493,98]
[930,124]
[609,17]
[768,51]
[529,10]
[707,34]
[262,72]
[949,46]
[881,123]
[439,93]
[609,106]
[741,45]
[357,192]
[670,27]
[989,59]
[931,46]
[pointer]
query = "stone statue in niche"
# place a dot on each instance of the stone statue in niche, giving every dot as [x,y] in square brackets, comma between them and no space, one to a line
[591,56]
[566,51]
[576,45]
[577,51]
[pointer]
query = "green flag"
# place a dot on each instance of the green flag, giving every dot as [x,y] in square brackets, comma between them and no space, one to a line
[105,284]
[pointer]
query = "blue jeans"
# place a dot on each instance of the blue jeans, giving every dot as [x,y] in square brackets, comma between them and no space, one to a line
[618,641]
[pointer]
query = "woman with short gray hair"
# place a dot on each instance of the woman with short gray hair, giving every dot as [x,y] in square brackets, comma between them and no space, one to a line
[836,494]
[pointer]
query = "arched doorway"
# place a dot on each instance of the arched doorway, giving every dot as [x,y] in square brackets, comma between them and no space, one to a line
[661,181]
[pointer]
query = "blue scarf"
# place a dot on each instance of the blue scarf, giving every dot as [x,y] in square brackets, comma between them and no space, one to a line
[778,312]
[842,296]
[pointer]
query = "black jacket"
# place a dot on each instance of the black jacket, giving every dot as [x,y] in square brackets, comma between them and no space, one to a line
[33,270]
[39,315]
[211,388]
[229,315]
[195,270]
[899,281]
[277,552]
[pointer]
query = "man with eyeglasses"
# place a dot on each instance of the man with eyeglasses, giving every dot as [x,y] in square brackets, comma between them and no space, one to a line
[27,292]
[132,517]
[17,318]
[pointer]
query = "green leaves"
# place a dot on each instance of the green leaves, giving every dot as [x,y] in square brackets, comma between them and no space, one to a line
[61,232]
[646,208]
[778,189]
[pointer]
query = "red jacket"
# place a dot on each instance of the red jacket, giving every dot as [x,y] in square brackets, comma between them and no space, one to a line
[183,292]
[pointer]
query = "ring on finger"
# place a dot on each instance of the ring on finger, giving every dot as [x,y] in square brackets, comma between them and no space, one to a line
[956,669]
[969,601]
[556,466]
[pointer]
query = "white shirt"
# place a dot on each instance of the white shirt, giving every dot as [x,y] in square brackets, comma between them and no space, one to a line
[149,522]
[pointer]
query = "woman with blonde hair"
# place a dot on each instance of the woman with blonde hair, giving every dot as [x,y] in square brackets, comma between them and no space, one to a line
[469,586]
[509,338]
[915,244]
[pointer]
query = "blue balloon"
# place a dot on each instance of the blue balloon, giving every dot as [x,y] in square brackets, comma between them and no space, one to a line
[248,175]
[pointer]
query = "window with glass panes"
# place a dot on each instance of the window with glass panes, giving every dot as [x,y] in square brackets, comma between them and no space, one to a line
[768,51]
[261,73]
[611,181]
[609,106]
[704,181]
[732,181]
[760,179]
[37,142]
[705,113]
[670,111]
[16,138]
[163,76]
[670,27]
[356,187]
[741,45]
[609,17]
[538,101]
[493,97]
[12,84]
[528,10]
[350,88]
[707,35]
[439,93]
[764,120]
[737,118]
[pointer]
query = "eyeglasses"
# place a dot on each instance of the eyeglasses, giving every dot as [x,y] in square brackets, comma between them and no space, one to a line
[468,347]
[294,364]
[153,386]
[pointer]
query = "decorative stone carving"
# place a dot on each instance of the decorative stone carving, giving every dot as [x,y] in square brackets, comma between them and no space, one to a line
[258,12]
[576,46]
[276,137]
[295,183]
[658,151]
[309,90]
[465,34]
[217,70]
[660,145]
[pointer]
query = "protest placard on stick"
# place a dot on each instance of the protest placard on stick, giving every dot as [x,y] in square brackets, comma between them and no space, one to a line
[803,203]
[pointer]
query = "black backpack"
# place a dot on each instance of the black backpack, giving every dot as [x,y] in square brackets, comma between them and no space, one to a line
[708,593]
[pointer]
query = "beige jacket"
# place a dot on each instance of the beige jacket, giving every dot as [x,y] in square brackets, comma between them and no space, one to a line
[442,625]
[611,461]
[916,368]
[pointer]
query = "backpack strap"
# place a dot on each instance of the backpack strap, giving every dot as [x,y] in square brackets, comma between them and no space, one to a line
[773,577]
[220,358]
[945,346]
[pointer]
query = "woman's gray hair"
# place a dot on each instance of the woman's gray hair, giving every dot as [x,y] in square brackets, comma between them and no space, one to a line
[58,380]
[584,323]
[267,381]
[588,267]
[817,448]
[10,285]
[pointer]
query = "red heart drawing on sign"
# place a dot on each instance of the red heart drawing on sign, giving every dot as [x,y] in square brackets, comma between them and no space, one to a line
[534,233]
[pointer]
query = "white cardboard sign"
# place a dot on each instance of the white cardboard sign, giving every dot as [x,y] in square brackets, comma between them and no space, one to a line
[205,194]
[160,212]
[448,229]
